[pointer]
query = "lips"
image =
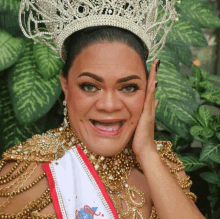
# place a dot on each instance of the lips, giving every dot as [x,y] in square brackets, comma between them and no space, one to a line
[105,125]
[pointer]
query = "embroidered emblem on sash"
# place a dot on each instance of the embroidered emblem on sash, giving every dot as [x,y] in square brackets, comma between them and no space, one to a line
[87,213]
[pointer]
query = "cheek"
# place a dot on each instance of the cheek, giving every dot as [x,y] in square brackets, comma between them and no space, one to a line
[77,102]
[136,105]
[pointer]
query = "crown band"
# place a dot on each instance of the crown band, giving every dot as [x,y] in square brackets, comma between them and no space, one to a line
[144,18]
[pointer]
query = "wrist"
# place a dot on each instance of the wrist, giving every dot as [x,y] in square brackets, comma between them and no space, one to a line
[147,154]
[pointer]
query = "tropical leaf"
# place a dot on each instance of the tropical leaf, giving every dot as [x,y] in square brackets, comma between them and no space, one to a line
[210,150]
[199,12]
[214,78]
[10,5]
[212,95]
[185,32]
[48,66]
[207,133]
[213,198]
[213,188]
[206,84]
[204,116]
[218,135]
[196,130]
[183,52]
[197,75]
[11,49]
[32,96]
[9,23]
[192,163]
[210,177]
[12,132]
[178,101]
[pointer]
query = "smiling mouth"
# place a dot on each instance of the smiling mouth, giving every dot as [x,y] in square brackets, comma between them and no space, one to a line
[107,126]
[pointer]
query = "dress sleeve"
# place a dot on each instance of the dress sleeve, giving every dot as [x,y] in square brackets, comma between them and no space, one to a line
[176,167]
[23,190]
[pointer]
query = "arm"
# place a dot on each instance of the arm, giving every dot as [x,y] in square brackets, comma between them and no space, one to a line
[167,195]
[169,199]
[28,186]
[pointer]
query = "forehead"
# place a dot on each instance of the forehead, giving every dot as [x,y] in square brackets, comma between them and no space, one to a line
[105,58]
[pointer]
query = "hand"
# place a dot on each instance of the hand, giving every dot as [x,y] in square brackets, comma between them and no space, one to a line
[144,134]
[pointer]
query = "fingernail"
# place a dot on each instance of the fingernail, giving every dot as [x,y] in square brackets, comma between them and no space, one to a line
[158,65]
[156,83]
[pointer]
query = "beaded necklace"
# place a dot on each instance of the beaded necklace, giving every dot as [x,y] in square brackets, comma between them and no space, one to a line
[113,172]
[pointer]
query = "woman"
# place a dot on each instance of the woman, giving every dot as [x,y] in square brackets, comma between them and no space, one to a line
[103,161]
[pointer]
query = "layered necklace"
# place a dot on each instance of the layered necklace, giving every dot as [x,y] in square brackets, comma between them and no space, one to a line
[113,172]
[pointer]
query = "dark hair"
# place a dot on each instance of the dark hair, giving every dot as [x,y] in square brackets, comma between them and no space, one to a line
[79,40]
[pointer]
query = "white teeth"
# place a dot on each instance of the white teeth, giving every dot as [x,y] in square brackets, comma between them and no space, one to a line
[110,127]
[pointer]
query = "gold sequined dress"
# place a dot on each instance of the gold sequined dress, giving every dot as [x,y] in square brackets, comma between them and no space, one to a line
[21,174]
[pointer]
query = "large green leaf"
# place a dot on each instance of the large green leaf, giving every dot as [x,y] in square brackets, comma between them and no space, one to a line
[32,96]
[192,163]
[207,133]
[196,130]
[204,116]
[48,66]
[9,5]
[199,12]
[214,78]
[197,75]
[12,132]
[11,49]
[210,150]
[9,23]
[178,101]
[211,177]
[185,32]
[212,95]
[182,51]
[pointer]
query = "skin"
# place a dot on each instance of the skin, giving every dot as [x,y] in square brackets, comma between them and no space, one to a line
[107,99]
[112,61]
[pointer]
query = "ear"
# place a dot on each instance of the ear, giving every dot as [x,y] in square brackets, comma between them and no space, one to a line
[64,84]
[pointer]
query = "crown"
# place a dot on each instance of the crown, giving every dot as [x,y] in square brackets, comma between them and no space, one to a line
[147,19]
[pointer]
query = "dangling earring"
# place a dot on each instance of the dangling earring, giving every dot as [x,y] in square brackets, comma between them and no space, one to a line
[65,121]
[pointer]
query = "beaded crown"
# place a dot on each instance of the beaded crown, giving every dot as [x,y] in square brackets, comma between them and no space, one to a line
[145,18]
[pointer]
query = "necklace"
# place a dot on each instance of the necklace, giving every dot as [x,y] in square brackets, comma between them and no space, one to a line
[113,172]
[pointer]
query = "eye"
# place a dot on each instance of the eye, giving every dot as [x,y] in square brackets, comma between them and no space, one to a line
[130,88]
[88,87]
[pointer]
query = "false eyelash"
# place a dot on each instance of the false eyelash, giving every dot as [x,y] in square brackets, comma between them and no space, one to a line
[135,86]
[82,86]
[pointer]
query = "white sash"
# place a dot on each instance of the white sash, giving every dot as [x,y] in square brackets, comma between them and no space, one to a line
[76,188]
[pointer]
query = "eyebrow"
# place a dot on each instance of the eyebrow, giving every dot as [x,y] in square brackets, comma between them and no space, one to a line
[100,79]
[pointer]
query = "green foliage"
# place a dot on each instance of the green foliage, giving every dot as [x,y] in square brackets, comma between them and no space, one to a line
[11,49]
[199,12]
[37,97]
[29,88]
[47,64]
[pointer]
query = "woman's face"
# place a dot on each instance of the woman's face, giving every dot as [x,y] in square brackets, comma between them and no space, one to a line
[105,93]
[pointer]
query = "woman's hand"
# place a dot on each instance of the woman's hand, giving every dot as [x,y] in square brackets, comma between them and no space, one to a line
[143,140]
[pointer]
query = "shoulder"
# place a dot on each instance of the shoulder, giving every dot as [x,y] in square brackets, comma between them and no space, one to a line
[40,148]
[22,176]
[176,167]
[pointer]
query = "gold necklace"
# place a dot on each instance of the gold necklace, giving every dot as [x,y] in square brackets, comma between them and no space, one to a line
[113,172]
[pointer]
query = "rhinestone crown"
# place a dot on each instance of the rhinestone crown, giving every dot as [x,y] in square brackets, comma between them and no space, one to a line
[145,18]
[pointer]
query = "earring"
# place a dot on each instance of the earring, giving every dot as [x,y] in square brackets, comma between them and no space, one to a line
[65,121]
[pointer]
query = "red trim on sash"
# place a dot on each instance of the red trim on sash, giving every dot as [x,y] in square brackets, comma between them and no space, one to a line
[53,193]
[98,181]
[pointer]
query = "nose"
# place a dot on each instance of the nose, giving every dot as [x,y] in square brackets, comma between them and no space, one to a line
[109,102]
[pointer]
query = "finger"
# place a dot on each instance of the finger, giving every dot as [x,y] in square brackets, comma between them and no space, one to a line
[153,71]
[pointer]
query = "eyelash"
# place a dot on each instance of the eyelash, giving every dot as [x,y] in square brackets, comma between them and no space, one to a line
[135,86]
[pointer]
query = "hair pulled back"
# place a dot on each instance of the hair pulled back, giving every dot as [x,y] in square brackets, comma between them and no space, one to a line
[79,40]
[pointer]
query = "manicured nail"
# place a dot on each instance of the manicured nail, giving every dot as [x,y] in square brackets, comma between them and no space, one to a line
[158,65]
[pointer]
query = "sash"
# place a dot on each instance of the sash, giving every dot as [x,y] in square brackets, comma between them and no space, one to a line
[76,189]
